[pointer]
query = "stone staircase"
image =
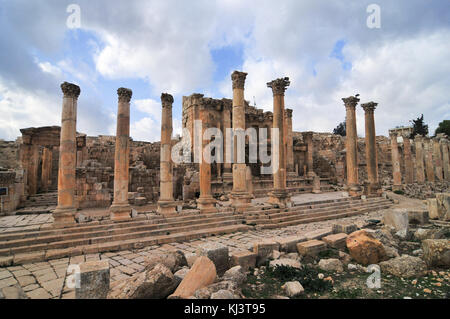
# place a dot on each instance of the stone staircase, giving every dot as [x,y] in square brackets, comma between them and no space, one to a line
[39,204]
[19,247]
[268,218]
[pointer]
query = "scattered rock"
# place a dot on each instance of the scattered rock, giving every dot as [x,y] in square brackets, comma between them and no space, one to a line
[433,233]
[180,274]
[245,259]
[443,206]
[235,274]
[285,262]
[405,266]
[436,252]
[397,218]
[331,264]
[391,252]
[364,248]
[217,253]
[293,288]
[174,260]
[223,294]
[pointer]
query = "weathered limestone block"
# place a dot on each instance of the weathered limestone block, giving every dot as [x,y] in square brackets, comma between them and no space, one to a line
[293,288]
[331,264]
[418,217]
[443,204]
[364,248]
[264,250]
[217,253]
[311,247]
[174,260]
[336,240]
[436,252]
[156,283]
[285,262]
[245,259]
[202,274]
[289,244]
[180,274]
[405,266]
[434,233]
[94,280]
[397,218]
[344,228]
[432,208]
[235,274]
[318,234]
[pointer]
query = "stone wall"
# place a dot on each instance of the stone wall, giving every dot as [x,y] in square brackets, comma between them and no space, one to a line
[9,154]
[13,183]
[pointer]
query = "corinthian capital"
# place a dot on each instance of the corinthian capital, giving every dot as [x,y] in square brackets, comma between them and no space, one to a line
[279,86]
[350,101]
[369,107]
[288,112]
[166,100]
[238,79]
[124,94]
[70,90]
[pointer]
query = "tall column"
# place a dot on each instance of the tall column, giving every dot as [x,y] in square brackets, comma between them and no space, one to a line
[371,156]
[420,165]
[120,208]
[206,203]
[46,169]
[240,197]
[64,214]
[351,146]
[33,169]
[309,153]
[429,160]
[438,159]
[289,143]
[279,195]
[445,159]
[409,167]
[227,172]
[166,203]
[396,163]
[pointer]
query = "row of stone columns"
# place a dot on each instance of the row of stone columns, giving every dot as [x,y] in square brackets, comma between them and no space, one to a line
[65,212]
[432,160]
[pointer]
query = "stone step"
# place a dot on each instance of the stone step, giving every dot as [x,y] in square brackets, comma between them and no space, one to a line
[94,238]
[129,244]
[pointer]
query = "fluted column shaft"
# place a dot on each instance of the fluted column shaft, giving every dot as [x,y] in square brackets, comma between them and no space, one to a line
[371,156]
[120,208]
[289,142]
[351,145]
[445,159]
[438,159]
[409,167]
[67,206]
[308,137]
[397,174]
[420,165]
[429,165]
[46,169]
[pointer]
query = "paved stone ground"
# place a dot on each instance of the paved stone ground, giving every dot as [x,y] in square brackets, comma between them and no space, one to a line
[44,280]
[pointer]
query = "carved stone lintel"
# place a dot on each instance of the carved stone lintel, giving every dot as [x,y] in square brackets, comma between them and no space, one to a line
[124,94]
[166,100]
[238,79]
[70,90]
[279,86]
[350,101]
[369,107]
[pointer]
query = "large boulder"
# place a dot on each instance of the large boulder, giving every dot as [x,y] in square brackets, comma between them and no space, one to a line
[364,248]
[436,252]
[217,253]
[331,264]
[405,266]
[202,274]
[443,206]
[174,260]
[293,288]
[156,283]
[207,292]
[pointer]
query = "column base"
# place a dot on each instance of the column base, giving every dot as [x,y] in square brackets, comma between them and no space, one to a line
[167,207]
[120,212]
[280,197]
[206,205]
[64,217]
[240,201]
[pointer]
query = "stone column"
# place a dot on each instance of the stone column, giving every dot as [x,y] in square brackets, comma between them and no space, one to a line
[409,167]
[206,203]
[166,203]
[289,143]
[46,169]
[240,198]
[420,165]
[351,146]
[438,159]
[396,172]
[445,159]
[120,208]
[307,136]
[227,172]
[279,195]
[429,160]
[371,156]
[64,214]
[33,169]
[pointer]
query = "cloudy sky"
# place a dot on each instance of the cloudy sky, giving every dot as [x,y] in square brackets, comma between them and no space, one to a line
[184,47]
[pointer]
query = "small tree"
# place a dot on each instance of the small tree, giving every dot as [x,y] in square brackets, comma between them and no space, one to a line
[444,127]
[341,129]
[419,127]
